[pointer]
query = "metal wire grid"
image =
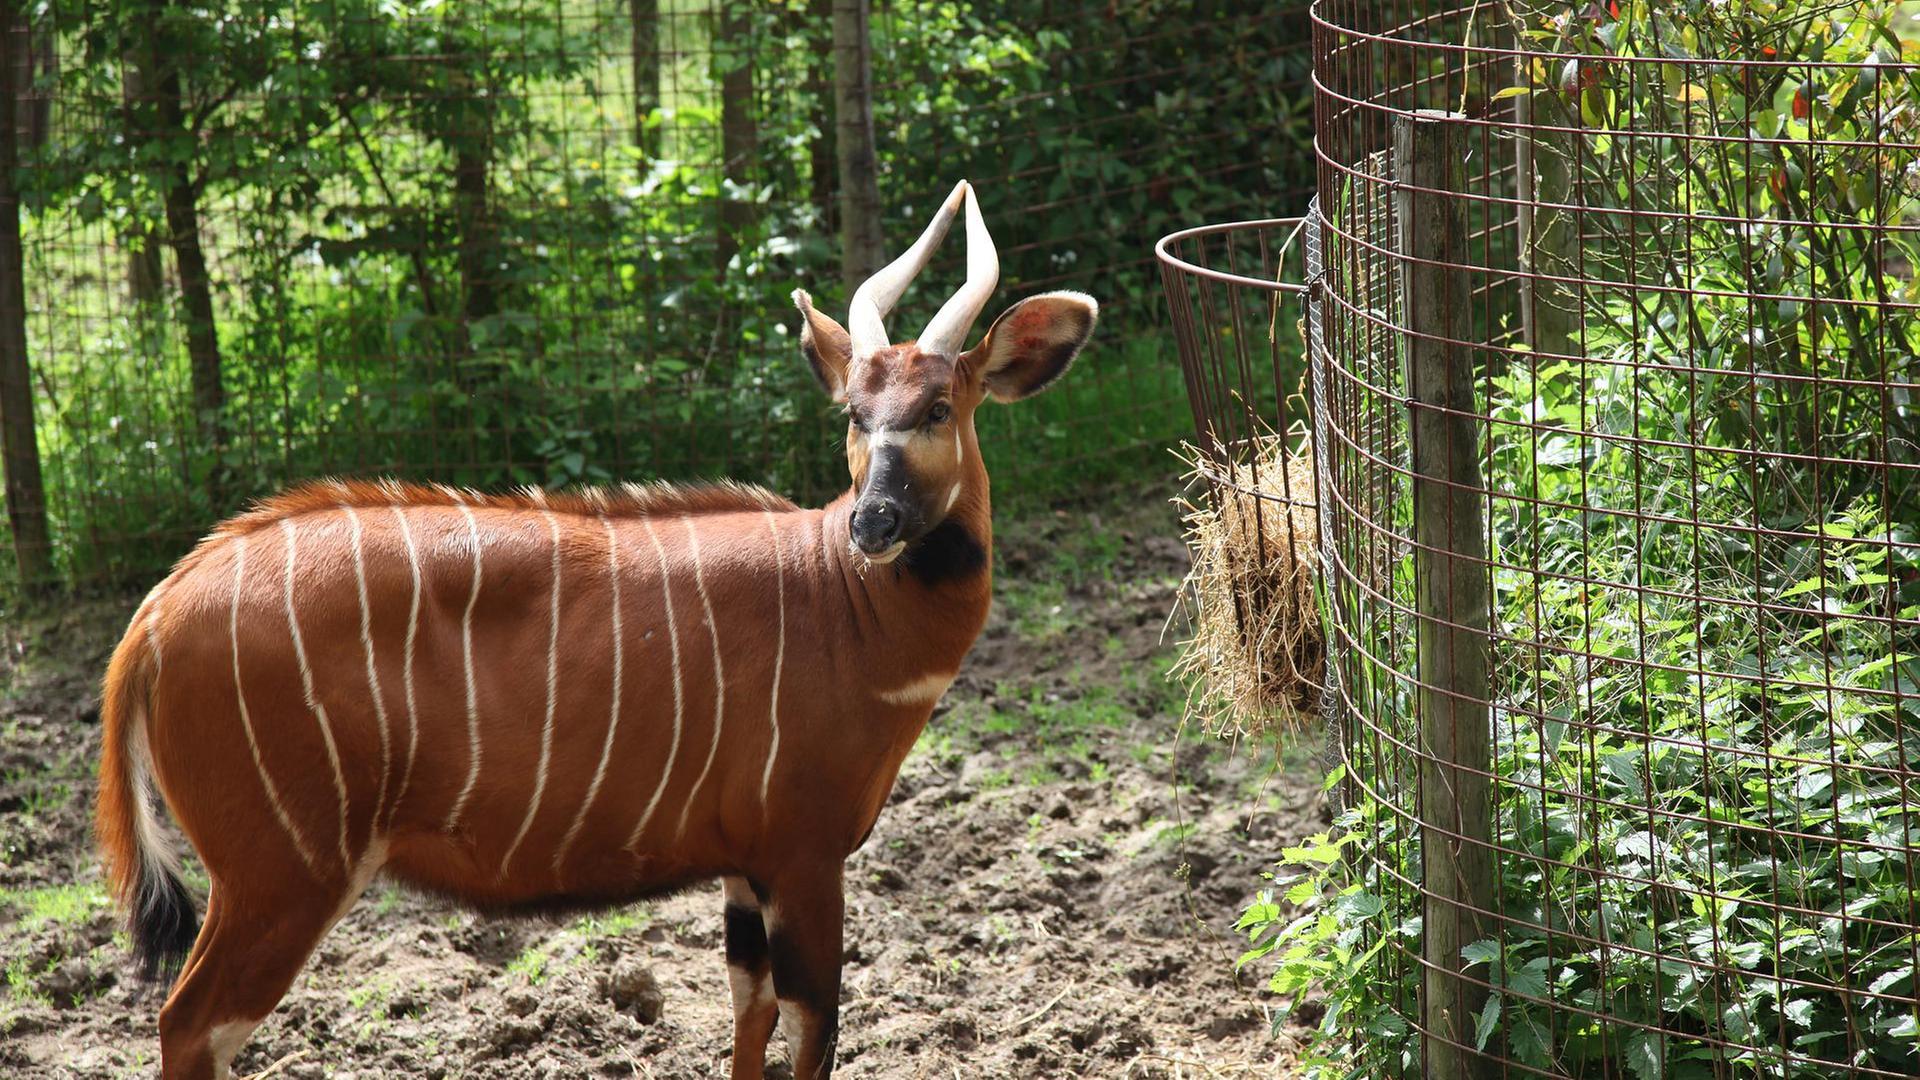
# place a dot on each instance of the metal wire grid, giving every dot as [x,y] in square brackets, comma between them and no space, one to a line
[1684,290]
[619,338]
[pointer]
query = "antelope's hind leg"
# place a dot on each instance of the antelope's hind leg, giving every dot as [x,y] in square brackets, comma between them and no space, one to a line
[804,921]
[750,975]
[249,950]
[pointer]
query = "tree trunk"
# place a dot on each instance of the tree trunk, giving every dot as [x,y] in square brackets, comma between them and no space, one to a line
[30,55]
[146,277]
[644,19]
[862,244]
[470,137]
[19,447]
[823,172]
[190,261]
[479,234]
[196,290]
[732,55]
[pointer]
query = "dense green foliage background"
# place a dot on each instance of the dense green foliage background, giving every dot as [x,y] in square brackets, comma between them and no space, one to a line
[454,241]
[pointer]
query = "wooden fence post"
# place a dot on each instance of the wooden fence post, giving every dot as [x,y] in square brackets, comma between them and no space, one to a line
[19,448]
[1450,574]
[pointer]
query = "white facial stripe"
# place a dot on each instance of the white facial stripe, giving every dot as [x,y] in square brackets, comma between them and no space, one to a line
[413,627]
[719,673]
[246,719]
[313,699]
[553,694]
[473,694]
[613,717]
[679,700]
[373,674]
[953,496]
[956,446]
[880,437]
[922,691]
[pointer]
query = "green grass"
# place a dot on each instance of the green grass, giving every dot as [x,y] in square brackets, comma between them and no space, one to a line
[530,965]
[57,905]
[604,925]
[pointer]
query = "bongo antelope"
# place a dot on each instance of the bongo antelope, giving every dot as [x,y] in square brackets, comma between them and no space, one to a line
[540,701]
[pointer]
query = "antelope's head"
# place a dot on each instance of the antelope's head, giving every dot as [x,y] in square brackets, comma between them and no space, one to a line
[910,439]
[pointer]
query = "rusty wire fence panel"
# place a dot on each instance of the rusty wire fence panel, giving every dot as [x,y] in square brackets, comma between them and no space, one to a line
[1659,280]
[552,241]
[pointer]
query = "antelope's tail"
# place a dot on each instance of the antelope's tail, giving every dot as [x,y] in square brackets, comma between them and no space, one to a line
[142,866]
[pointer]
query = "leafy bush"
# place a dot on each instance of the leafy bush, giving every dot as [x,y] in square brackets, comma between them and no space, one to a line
[1706,586]
[585,319]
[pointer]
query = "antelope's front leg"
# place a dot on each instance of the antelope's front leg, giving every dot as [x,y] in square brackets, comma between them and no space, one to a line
[750,974]
[804,925]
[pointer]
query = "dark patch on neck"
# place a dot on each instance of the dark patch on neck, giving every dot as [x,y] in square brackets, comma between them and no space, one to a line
[948,553]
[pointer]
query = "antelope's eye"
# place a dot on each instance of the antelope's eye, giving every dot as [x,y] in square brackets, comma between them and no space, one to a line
[939,413]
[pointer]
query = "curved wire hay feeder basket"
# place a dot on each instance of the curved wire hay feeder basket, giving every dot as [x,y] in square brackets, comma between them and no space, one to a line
[1256,659]
[1615,405]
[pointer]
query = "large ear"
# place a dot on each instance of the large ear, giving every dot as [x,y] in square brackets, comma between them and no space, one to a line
[829,350]
[1032,343]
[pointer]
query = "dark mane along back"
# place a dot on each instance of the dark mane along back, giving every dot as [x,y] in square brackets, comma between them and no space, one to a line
[625,500]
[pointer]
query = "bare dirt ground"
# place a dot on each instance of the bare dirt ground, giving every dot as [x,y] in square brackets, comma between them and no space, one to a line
[1049,894]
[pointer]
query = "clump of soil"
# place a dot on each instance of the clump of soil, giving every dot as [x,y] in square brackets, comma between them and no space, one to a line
[1050,892]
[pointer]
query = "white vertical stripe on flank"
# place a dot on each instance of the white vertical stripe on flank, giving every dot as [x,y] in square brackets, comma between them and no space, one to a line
[406,669]
[719,673]
[679,699]
[373,675]
[613,712]
[313,701]
[473,695]
[779,660]
[246,719]
[553,692]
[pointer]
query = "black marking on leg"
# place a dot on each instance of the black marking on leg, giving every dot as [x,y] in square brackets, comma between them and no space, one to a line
[948,553]
[794,981]
[746,938]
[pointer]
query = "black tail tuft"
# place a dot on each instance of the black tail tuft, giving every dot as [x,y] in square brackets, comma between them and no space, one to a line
[164,924]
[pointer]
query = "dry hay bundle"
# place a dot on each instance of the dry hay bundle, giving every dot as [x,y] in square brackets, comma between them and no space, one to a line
[1257,657]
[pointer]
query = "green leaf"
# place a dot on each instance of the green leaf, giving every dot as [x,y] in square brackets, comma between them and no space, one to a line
[1480,952]
[1643,1057]
[1512,92]
[1489,1019]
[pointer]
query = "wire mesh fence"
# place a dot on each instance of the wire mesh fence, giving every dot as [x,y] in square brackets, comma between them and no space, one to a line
[1614,370]
[551,241]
